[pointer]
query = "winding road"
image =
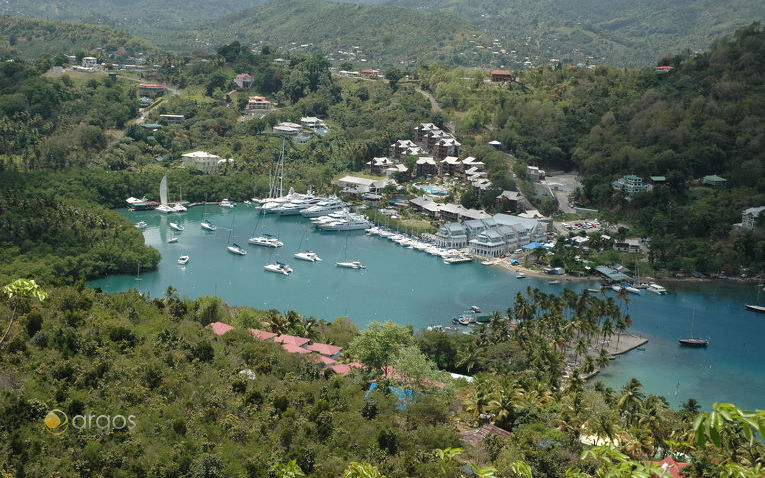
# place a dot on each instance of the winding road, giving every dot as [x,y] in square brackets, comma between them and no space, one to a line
[437,108]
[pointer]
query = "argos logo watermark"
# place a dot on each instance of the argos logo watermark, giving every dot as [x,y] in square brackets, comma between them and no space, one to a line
[57,422]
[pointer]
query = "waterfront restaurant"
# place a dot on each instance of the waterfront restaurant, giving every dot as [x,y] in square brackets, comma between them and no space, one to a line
[493,237]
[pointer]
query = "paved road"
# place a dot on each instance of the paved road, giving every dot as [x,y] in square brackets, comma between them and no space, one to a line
[437,108]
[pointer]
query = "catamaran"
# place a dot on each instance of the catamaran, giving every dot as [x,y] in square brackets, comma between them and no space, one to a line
[266,240]
[163,206]
[657,289]
[178,206]
[227,203]
[279,268]
[308,256]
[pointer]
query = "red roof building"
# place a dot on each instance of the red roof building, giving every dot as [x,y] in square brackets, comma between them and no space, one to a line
[669,465]
[258,103]
[295,349]
[325,349]
[243,80]
[292,340]
[345,368]
[262,334]
[219,328]
[322,359]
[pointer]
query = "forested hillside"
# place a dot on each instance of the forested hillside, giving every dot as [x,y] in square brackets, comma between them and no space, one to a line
[617,33]
[385,34]
[30,38]
[703,117]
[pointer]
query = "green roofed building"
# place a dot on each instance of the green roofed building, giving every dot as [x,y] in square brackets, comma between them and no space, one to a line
[714,180]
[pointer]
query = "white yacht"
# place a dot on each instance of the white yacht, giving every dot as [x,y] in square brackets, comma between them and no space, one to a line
[183,260]
[323,208]
[297,206]
[279,268]
[141,225]
[179,207]
[632,290]
[352,223]
[236,249]
[176,226]
[227,203]
[656,289]
[266,240]
[351,265]
[616,287]
[308,256]
[208,225]
[172,240]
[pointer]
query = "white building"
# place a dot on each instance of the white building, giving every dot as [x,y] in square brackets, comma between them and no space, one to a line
[749,217]
[492,237]
[287,129]
[630,184]
[201,161]
[89,62]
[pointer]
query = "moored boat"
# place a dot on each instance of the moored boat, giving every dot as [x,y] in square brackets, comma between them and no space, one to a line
[351,265]
[279,268]
[236,249]
[309,256]
[141,225]
[176,226]
[183,260]
[207,225]
[656,289]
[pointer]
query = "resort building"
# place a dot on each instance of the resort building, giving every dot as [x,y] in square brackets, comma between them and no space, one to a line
[750,216]
[492,236]
[628,245]
[630,184]
[378,165]
[173,119]
[404,147]
[243,80]
[511,201]
[426,166]
[422,130]
[457,212]
[200,161]
[450,165]
[151,90]
[287,129]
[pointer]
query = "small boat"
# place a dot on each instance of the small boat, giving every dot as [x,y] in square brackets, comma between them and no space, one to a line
[466,319]
[207,225]
[616,288]
[176,226]
[227,203]
[172,240]
[594,291]
[520,275]
[279,268]
[656,289]
[488,263]
[247,202]
[632,290]
[141,225]
[554,282]
[691,341]
[351,265]
[236,249]
[756,307]
[183,260]
[308,256]
[266,240]
[475,309]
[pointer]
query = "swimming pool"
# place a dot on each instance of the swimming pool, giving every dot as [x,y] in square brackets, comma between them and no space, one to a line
[435,190]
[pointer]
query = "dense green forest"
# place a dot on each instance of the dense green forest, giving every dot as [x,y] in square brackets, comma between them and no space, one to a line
[198,405]
[617,33]
[29,38]
[385,35]
[704,117]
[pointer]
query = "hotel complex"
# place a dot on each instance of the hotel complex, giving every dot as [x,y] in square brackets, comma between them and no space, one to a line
[493,237]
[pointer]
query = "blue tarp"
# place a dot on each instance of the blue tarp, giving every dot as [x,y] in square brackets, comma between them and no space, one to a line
[513,261]
[532,245]
[400,393]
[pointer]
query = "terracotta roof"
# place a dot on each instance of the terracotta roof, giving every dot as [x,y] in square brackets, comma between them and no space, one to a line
[291,339]
[346,368]
[669,465]
[294,349]
[500,72]
[324,349]
[262,334]
[322,359]
[219,328]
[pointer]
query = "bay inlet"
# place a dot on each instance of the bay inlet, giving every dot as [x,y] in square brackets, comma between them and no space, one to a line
[414,288]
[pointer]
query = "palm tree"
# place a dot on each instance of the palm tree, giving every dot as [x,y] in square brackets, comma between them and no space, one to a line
[631,399]
[603,358]
[503,404]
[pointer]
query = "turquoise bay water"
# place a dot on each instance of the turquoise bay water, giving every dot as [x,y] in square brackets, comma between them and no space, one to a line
[411,287]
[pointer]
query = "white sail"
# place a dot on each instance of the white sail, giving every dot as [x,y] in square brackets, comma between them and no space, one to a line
[163,191]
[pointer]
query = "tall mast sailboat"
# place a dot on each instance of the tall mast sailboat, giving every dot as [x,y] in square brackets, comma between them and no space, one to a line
[206,224]
[235,248]
[163,206]
[691,341]
[349,264]
[757,307]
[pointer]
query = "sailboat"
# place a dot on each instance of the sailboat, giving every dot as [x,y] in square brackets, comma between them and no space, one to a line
[173,239]
[163,206]
[235,248]
[757,307]
[265,240]
[307,255]
[691,341]
[138,277]
[206,224]
[349,264]
[176,226]
[178,206]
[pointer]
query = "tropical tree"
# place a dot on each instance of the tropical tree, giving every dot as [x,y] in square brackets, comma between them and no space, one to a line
[287,470]
[447,457]
[18,293]
[362,470]
[377,345]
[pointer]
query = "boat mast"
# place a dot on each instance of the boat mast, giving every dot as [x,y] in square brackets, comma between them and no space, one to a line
[281,170]
[693,319]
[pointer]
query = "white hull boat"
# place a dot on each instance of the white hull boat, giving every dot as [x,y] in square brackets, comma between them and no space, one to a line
[278,268]
[266,240]
[351,265]
[236,249]
[309,256]
[183,260]
[208,225]
[176,226]
[141,225]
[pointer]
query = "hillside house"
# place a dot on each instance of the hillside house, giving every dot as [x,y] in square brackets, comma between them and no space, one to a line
[379,165]
[151,90]
[630,184]
[90,62]
[535,174]
[258,103]
[287,129]
[243,80]
[200,161]
[370,74]
[499,76]
[403,147]
[511,201]
[173,119]
[628,245]
[423,129]
[750,216]
[714,180]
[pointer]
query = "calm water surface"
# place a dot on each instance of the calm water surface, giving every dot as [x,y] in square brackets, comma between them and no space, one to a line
[412,287]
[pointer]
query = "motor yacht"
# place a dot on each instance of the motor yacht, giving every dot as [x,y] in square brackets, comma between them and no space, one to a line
[351,265]
[309,256]
[352,223]
[279,268]
[323,208]
[656,289]
[183,260]
[176,226]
